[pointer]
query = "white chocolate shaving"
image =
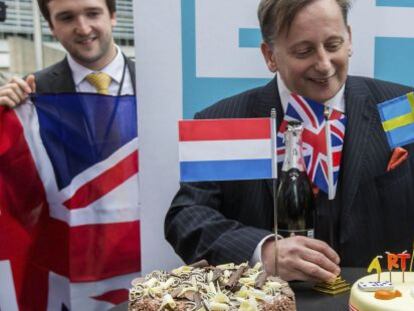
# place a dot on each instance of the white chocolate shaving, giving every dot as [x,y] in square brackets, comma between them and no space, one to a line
[216,306]
[181,270]
[167,301]
[221,298]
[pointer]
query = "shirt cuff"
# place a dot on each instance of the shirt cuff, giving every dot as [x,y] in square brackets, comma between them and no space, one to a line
[257,254]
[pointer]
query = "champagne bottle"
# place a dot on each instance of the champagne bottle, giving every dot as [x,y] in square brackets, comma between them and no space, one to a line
[295,199]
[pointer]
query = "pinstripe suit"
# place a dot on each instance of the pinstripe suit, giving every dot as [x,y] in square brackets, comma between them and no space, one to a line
[373,210]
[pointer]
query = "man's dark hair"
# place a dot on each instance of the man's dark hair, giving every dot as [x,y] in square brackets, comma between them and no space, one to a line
[276,16]
[46,14]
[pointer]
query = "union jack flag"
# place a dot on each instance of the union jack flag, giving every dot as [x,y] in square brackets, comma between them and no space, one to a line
[314,145]
[69,217]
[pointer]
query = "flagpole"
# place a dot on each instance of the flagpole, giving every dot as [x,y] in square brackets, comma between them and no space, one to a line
[331,194]
[274,175]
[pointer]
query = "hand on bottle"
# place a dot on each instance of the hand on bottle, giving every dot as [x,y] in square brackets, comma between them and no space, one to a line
[301,258]
[16,91]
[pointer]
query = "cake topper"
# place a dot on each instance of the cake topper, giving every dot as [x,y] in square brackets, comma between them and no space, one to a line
[375,265]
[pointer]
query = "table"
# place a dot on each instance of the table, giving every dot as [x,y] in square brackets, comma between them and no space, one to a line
[308,299]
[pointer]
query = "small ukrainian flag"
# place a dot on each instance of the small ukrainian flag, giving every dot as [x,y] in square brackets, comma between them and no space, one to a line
[397,116]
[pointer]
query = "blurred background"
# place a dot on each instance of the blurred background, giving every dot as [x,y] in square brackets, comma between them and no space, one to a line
[26,43]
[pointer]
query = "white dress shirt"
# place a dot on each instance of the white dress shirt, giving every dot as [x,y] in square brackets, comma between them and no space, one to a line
[114,69]
[336,103]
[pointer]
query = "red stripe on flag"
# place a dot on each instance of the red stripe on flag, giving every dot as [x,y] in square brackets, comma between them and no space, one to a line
[336,156]
[335,115]
[224,129]
[306,109]
[90,252]
[338,132]
[115,297]
[104,183]
[22,205]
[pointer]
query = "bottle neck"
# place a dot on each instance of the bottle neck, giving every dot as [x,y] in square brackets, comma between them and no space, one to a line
[293,144]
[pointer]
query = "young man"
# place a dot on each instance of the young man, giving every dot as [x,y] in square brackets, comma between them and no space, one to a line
[70,192]
[84,28]
[307,44]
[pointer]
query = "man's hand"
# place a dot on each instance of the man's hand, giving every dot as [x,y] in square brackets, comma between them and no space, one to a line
[16,91]
[301,258]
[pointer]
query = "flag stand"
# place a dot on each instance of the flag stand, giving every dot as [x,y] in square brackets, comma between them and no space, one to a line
[274,173]
[338,285]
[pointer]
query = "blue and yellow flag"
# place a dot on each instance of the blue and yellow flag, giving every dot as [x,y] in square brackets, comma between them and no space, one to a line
[397,116]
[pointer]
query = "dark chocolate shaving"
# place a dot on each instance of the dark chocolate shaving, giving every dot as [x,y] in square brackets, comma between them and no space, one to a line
[260,280]
[235,277]
[217,273]
[176,292]
[197,300]
[200,264]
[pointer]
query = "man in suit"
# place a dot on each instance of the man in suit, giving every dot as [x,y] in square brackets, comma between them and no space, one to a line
[307,44]
[84,28]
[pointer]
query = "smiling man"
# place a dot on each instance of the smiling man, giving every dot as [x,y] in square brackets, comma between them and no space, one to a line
[74,257]
[307,44]
[84,28]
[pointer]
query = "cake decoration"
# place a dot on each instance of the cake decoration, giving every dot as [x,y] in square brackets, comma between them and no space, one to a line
[403,257]
[392,263]
[374,286]
[387,294]
[375,265]
[226,287]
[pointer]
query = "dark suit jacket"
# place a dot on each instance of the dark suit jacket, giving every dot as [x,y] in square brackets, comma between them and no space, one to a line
[373,211]
[58,78]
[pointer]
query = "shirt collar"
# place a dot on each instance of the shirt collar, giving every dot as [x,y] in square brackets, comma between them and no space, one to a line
[336,103]
[114,69]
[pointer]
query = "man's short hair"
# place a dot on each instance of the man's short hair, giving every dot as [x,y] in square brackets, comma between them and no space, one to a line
[46,14]
[276,16]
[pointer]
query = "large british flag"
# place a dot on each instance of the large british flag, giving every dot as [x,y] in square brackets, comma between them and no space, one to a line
[69,222]
[311,114]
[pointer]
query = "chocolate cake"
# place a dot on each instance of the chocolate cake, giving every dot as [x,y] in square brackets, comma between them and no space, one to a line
[207,288]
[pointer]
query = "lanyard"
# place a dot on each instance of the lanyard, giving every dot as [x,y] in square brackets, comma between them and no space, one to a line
[121,84]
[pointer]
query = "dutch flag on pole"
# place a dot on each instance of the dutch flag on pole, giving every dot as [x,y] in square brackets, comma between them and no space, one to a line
[227,149]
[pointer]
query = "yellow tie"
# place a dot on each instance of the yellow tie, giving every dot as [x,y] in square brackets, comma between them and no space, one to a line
[100,81]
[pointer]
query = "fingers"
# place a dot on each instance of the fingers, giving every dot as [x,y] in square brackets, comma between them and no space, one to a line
[30,80]
[19,83]
[302,258]
[319,266]
[324,272]
[16,91]
[322,247]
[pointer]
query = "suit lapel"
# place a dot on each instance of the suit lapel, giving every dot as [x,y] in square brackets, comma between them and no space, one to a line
[267,99]
[62,80]
[360,112]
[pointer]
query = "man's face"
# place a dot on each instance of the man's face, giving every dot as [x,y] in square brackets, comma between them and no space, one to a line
[312,58]
[84,28]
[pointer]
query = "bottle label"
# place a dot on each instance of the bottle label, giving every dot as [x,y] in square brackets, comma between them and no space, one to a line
[305,232]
